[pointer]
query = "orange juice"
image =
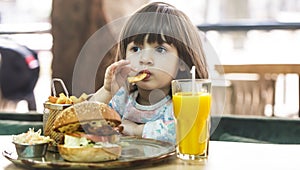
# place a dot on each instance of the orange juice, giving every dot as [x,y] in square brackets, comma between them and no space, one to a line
[191,112]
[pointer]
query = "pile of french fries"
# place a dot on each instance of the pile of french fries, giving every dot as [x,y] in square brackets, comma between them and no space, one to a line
[63,99]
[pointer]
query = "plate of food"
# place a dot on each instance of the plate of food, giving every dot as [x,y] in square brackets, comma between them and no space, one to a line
[92,141]
[135,152]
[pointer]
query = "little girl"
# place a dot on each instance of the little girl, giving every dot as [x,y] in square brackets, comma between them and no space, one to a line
[160,41]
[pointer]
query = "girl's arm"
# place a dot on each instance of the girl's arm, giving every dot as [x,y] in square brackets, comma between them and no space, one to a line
[160,130]
[131,128]
[102,95]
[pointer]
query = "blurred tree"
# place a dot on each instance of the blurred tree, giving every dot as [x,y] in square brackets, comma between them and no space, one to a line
[73,23]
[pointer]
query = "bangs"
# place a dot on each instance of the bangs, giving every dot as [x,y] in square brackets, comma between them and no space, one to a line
[154,24]
[161,28]
[152,38]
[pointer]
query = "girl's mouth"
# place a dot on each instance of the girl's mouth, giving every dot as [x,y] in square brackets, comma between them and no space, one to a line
[147,72]
[141,76]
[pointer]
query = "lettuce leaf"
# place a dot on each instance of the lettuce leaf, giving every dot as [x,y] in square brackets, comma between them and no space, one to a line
[76,141]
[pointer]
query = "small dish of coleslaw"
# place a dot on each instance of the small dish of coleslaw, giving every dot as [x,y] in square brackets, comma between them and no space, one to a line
[31,144]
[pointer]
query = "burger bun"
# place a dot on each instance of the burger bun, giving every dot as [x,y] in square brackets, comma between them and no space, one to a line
[89,154]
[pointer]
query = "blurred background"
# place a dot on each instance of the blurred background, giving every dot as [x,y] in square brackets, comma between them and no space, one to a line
[240,31]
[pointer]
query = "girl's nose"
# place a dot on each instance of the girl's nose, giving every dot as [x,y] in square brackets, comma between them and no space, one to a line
[146,58]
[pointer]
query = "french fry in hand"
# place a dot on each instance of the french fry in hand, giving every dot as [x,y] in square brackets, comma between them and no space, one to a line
[137,78]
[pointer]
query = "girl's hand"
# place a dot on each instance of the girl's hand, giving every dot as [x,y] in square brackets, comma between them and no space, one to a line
[116,75]
[132,129]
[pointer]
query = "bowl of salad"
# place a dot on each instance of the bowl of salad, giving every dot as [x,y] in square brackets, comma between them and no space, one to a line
[31,144]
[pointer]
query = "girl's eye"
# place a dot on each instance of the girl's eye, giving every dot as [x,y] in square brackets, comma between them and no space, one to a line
[135,49]
[161,49]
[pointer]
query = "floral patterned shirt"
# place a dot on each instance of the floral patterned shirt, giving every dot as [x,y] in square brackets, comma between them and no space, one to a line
[158,118]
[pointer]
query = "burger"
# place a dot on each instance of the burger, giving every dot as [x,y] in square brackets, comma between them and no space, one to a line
[90,132]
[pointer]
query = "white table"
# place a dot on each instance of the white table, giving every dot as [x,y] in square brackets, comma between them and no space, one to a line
[222,156]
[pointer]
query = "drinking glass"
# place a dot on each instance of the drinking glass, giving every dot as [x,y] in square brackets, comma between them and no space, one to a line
[191,104]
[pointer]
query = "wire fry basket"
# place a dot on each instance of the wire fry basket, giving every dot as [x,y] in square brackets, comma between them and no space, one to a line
[51,110]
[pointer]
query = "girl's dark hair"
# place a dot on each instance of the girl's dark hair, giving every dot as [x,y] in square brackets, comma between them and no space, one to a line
[164,23]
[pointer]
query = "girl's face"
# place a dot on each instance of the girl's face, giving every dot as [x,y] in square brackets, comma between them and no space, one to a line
[159,61]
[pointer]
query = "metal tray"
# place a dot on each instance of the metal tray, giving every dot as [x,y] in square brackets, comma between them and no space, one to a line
[138,152]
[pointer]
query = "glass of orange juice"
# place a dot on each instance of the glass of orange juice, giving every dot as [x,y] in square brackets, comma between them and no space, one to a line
[191,104]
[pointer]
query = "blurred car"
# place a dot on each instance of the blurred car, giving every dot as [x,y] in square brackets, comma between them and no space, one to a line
[19,72]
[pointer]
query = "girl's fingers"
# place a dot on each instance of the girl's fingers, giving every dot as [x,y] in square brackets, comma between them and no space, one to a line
[119,64]
[123,68]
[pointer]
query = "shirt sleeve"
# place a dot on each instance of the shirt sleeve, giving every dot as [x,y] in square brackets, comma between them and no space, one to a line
[118,100]
[159,130]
